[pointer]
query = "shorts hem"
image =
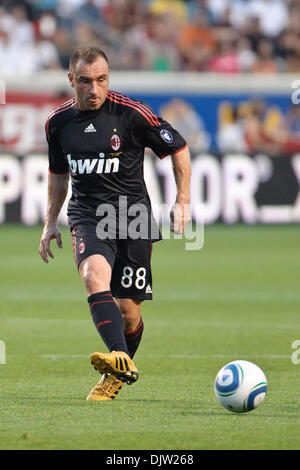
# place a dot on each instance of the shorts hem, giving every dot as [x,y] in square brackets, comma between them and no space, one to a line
[148,297]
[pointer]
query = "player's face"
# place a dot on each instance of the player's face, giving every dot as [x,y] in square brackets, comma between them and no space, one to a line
[90,82]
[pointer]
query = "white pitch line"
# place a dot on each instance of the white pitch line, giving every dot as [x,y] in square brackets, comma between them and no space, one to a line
[163,296]
[197,323]
[171,356]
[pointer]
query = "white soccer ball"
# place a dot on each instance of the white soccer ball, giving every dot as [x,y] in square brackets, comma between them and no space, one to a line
[240,386]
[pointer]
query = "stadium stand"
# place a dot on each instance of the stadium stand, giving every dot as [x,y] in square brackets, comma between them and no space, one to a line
[222,36]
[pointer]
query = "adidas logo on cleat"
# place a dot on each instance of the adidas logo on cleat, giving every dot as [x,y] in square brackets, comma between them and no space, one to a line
[117,363]
[90,128]
[122,363]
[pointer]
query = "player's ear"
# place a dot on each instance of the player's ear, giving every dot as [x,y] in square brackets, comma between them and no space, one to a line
[71,79]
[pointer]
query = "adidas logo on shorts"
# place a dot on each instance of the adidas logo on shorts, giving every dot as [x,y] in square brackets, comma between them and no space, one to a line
[148,289]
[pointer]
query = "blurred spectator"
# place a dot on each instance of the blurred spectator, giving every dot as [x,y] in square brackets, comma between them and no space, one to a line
[197,42]
[199,7]
[183,117]
[293,62]
[231,132]
[252,32]
[64,46]
[265,62]
[46,5]
[161,51]
[273,16]
[240,13]
[89,12]
[264,129]
[46,25]
[21,32]
[176,8]
[226,59]
[294,17]
[8,55]
[65,11]
[217,9]
[6,21]
[246,56]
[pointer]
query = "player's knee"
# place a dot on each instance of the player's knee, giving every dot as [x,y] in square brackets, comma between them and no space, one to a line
[95,273]
[94,281]
[130,309]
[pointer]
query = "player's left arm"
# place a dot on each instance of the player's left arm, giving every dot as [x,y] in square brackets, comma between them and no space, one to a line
[180,212]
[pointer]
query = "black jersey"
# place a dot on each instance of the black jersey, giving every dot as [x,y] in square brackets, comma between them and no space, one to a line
[104,152]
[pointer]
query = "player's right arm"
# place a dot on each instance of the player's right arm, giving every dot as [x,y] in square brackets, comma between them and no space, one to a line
[57,192]
[58,178]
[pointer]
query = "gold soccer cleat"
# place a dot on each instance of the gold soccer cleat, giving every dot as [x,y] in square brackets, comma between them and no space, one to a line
[117,363]
[107,388]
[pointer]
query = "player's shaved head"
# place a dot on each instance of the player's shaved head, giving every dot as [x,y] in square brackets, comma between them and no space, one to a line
[87,55]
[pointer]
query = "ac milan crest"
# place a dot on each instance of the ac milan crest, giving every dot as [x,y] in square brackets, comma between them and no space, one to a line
[81,248]
[115,142]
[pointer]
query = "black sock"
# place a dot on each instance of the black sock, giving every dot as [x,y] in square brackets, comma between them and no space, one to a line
[133,338]
[108,320]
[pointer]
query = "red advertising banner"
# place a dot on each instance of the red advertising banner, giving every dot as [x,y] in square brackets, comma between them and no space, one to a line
[22,121]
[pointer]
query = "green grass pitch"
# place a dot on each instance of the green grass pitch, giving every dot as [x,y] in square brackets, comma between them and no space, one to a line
[237,298]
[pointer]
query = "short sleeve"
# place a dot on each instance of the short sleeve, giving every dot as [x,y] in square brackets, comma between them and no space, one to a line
[57,160]
[154,132]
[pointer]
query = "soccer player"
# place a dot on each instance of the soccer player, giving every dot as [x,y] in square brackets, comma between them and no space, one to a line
[99,138]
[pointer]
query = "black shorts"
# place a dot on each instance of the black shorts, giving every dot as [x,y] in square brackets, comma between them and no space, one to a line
[130,261]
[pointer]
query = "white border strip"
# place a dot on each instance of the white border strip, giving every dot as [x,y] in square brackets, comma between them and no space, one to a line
[167,82]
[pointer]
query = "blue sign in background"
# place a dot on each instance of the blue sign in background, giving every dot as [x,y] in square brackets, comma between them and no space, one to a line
[208,106]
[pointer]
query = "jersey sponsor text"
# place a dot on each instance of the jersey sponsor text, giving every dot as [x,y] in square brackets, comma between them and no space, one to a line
[93,165]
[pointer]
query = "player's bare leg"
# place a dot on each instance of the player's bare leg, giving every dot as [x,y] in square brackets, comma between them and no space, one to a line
[131,311]
[95,272]
[133,323]
[117,364]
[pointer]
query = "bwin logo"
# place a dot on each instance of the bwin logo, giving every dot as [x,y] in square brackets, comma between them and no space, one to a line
[94,165]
